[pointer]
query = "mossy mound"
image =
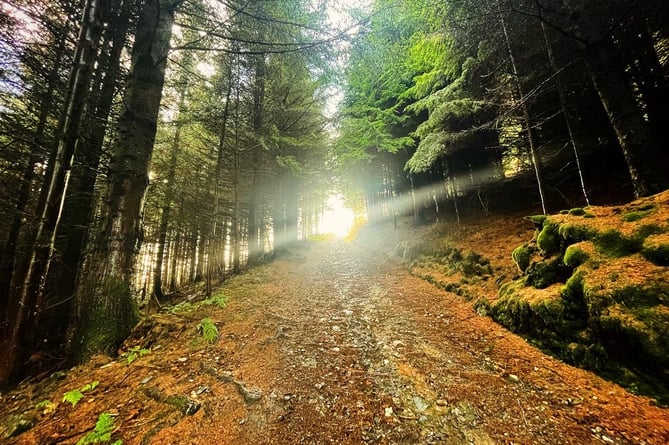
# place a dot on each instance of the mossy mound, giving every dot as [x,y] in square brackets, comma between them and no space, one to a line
[595,291]
[446,266]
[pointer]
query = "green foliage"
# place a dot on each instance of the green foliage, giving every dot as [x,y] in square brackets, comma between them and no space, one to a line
[184,306]
[220,300]
[574,233]
[577,211]
[104,428]
[44,404]
[73,397]
[208,330]
[134,353]
[544,273]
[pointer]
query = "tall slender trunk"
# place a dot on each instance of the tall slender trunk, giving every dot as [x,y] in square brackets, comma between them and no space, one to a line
[217,180]
[7,259]
[534,155]
[255,248]
[622,108]
[108,312]
[79,205]
[565,112]
[23,311]
[169,187]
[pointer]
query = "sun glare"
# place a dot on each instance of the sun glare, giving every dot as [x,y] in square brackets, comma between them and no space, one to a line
[337,219]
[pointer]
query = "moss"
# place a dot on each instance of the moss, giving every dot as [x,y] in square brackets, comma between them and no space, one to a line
[564,212]
[574,256]
[544,273]
[634,216]
[110,315]
[577,211]
[647,230]
[615,244]
[548,240]
[656,253]
[636,296]
[521,256]
[575,233]
[537,220]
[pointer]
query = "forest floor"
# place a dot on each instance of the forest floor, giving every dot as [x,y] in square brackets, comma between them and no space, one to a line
[335,342]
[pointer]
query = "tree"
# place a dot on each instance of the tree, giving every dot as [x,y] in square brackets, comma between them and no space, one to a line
[21,309]
[106,312]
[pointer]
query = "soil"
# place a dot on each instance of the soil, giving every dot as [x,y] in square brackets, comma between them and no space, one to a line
[335,342]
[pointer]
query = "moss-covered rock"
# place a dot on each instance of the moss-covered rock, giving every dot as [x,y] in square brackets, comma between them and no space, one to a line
[521,256]
[548,240]
[598,296]
[575,255]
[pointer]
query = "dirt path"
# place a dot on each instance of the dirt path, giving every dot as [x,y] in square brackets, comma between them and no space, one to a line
[336,343]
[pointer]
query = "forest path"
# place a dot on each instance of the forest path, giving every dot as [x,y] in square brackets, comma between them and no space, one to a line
[337,343]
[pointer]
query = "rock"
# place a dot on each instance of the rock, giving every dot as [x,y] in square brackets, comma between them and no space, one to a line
[420,404]
[388,412]
[514,378]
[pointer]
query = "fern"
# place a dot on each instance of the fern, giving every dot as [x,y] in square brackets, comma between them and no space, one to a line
[104,428]
[90,386]
[44,404]
[135,352]
[219,300]
[209,330]
[47,406]
[73,397]
[184,306]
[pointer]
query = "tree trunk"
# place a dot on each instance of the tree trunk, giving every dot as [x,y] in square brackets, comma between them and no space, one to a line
[21,314]
[7,259]
[565,112]
[107,312]
[169,186]
[534,155]
[217,179]
[255,249]
[632,130]
[79,205]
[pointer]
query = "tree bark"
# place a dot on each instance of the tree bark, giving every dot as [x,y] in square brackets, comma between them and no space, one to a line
[7,259]
[79,205]
[108,312]
[632,130]
[22,313]
[169,186]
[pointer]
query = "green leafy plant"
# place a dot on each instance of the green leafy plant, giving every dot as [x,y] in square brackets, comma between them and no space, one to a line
[208,330]
[47,406]
[134,353]
[73,397]
[184,306]
[102,433]
[219,300]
